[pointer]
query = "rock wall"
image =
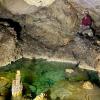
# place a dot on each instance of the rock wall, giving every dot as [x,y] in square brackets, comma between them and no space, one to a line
[18,6]
[8,48]
[52,24]
[51,30]
[92,5]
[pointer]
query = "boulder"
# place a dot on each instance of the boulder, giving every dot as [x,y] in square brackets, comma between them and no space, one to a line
[69,71]
[88,85]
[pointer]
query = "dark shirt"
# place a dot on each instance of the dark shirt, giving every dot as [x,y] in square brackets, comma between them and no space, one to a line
[87,20]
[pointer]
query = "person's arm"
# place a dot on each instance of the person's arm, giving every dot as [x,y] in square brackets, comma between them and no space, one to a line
[93,23]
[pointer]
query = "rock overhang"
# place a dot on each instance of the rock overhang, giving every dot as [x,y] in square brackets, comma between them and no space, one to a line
[39,2]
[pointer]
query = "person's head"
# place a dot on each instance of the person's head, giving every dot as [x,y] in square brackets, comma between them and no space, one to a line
[85,12]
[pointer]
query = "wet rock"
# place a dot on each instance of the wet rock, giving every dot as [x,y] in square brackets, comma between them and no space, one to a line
[2,98]
[73,91]
[75,75]
[88,85]
[69,71]
[40,97]
[3,86]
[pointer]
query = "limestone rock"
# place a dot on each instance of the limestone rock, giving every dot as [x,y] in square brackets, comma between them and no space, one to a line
[8,49]
[88,4]
[39,2]
[69,71]
[18,7]
[50,31]
[92,5]
[87,85]
[24,6]
[40,97]
[52,26]
[98,63]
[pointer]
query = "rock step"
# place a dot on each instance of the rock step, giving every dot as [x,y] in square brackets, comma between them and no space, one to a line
[87,67]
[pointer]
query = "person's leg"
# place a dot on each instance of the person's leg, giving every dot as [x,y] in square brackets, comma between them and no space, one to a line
[93,30]
[82,29]
[85,28]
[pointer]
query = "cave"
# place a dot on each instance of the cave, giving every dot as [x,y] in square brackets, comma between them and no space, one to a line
[13,24]
[50,58]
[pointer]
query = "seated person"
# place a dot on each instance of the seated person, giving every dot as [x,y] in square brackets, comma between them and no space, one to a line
[86,23]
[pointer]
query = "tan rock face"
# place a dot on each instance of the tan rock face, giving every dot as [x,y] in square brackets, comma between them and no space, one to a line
[24,6]
[7,47]
[18,6]
[92,5]
[66,14]
[97,63]
[54,24]
[30,6]
[39,2]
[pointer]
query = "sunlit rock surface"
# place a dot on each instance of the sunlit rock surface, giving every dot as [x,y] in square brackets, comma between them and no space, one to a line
[18,6]
[92,4]
[24,6]
[88,85]
[39,2]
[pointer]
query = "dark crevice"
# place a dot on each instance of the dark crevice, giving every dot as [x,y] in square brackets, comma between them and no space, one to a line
[13,24]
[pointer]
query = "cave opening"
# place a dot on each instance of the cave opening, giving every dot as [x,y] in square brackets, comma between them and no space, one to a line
[13,24]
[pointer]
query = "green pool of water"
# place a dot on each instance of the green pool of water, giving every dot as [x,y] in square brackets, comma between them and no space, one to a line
[41,76]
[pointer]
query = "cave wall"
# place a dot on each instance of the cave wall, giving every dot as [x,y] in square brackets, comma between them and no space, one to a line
[50,30]
[92,5]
